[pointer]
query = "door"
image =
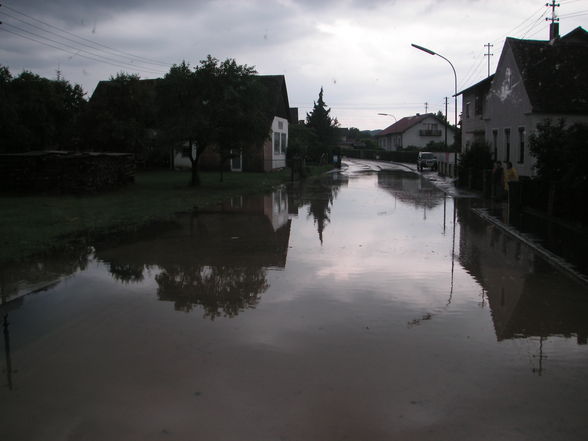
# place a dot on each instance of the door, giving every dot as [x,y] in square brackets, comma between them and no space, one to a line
[237,162]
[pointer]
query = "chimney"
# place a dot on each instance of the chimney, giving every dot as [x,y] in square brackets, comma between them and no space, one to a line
[553,31]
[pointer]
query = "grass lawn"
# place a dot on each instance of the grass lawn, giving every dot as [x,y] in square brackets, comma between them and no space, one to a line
[36,224]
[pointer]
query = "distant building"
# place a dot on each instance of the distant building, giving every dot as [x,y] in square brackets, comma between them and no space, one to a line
[414,131]
[534,80]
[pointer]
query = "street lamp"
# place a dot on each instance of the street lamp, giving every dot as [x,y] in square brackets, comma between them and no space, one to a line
[430,52]
[388,114]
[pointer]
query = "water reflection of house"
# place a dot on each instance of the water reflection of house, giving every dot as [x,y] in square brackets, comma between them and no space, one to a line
[527,296]
[410,188]
[216,259]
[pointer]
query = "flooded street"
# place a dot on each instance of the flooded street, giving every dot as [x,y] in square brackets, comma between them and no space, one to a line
[368,305]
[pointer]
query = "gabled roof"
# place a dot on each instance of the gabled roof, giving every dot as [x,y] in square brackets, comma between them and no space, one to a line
[403,124]
[107,91]
[555,73]
[276,86]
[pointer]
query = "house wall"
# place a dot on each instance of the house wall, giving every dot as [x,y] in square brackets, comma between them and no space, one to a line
[509,109]
[261,158]
[508,119]
[413,136]
[391,142]
[275,154]
[472,119]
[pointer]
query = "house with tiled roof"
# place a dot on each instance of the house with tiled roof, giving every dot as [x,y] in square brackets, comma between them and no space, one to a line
[534,80]
[268,155]
[414,131]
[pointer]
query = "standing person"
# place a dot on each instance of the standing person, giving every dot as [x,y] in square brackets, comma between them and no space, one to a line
[510,175]
[497,180]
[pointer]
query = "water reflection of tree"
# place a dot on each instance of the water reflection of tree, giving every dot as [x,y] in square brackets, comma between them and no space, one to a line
[126,272]
[214,260]
[219,290]
[319,196]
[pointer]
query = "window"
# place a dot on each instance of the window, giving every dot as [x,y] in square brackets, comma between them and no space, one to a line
[507,144]
[521,145]
[467,110]
[284,139]
[495,143]
[280,124]
[276,142]
[478,105]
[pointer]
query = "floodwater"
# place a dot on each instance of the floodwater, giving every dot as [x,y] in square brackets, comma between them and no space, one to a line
[366,306]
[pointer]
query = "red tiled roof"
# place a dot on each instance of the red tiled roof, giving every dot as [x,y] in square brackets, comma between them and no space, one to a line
[402,125]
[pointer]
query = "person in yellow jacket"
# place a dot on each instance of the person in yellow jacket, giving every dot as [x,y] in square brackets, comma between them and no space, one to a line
[510,175]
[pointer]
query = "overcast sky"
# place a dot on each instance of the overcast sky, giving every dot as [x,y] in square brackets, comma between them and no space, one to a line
[358,50]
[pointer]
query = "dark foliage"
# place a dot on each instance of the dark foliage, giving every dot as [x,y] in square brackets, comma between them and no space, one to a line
[561,153]
[37,113]
[320,120]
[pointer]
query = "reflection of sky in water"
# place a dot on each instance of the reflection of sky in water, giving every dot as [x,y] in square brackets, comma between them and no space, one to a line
[367,330]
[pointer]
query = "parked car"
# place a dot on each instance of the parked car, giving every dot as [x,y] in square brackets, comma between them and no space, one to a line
[426,159]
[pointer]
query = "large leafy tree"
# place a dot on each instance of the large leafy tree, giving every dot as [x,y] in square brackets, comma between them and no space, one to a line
[37,113]
[320,120]
[218,105]
[185,112]
[243,115]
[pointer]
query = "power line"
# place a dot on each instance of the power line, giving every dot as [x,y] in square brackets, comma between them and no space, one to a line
[534,24]
[79,51]
[77,43]
[147,60]
[62,49]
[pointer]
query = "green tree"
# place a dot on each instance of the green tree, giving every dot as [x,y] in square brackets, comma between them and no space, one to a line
[561,152]
[183,108]
[37,113]
[217,105]
[320,120]
[243,112]
[302,139]
[478,158]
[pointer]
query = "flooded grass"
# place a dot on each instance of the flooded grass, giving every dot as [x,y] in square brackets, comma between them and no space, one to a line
[34,224]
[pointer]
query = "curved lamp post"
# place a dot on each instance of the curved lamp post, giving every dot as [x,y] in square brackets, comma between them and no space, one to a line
[430,52]
[388,114]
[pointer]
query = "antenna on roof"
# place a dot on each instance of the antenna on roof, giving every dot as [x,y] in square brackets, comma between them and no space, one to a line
[488,55]
[554,26]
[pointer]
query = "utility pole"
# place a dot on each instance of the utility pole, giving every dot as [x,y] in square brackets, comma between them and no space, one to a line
[426,107]
[554,26]
[446,124]
[488,54]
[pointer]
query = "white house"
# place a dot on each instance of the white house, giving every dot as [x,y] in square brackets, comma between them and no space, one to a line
[414,131]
